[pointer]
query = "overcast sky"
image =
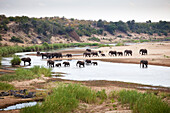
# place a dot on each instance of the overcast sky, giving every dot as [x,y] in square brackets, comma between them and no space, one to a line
[110,10]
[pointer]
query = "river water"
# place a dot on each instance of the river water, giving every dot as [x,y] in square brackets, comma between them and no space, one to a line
[153,75]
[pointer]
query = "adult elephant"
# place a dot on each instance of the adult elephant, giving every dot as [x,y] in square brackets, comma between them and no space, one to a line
[87,54]
[144,63]
[112,53]
[88,61]
[143,51]
[69,55]
[47,55]
[80,63]
[50,63]
[28,59]
[128,52]
[58,55]
[94,54]
[66,64]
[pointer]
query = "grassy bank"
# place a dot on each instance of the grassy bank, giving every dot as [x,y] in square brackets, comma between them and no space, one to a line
[67,97]
[26,74]
[143,102]
[6,86]
[4,51]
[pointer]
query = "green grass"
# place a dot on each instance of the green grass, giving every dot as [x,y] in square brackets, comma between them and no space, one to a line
[26,74]
[94,39]
[143,102]
[65,98]
[6,86]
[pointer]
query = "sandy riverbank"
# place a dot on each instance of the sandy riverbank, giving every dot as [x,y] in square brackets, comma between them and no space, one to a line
[158,54]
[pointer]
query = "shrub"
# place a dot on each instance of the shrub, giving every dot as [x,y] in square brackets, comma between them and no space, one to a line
[14,39]
[16,60]
[120,44]
[6,86]
[94,39]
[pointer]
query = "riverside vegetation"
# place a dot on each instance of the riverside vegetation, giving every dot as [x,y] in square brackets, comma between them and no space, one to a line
[67,97]
[6,50]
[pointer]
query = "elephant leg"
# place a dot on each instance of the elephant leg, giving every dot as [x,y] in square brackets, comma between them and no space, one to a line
[146,65]
[24,63]
[142,65]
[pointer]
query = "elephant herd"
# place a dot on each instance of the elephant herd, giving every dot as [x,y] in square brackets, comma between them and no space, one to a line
[87,53]
[90,53]
[79,63]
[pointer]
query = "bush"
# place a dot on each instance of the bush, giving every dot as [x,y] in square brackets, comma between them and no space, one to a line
[16,60]
[14,39]
[94,39]
[120,44]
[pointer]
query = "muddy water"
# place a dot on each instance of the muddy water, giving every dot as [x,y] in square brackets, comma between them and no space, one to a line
[153,75]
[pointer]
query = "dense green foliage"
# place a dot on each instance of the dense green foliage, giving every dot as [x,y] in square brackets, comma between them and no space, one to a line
[50,26]
[14,39]
[26,74]
[16,60]
[143,102]
[65,98]
[94,39]
[6,86]
[4,51]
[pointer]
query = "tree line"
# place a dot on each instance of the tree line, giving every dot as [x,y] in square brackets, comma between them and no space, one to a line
[50,26]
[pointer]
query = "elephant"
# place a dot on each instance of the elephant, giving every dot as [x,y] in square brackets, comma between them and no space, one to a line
[103,54]
[50,63]
[38,53]
[88,61]
[94,63]
[113,53]
[58,65]
[143,51]
[87,54]
[58,55]
[144,63]
[94,54]
[80,63]
[44,54]
[88,50]
[28,59]
[120,53]
[66,64]
[69,55]
[128,52]
[100,51]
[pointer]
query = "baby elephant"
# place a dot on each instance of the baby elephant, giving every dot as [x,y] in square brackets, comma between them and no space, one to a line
[144,63]
[66,64]
[95,63]
[58,65]
[50,63]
